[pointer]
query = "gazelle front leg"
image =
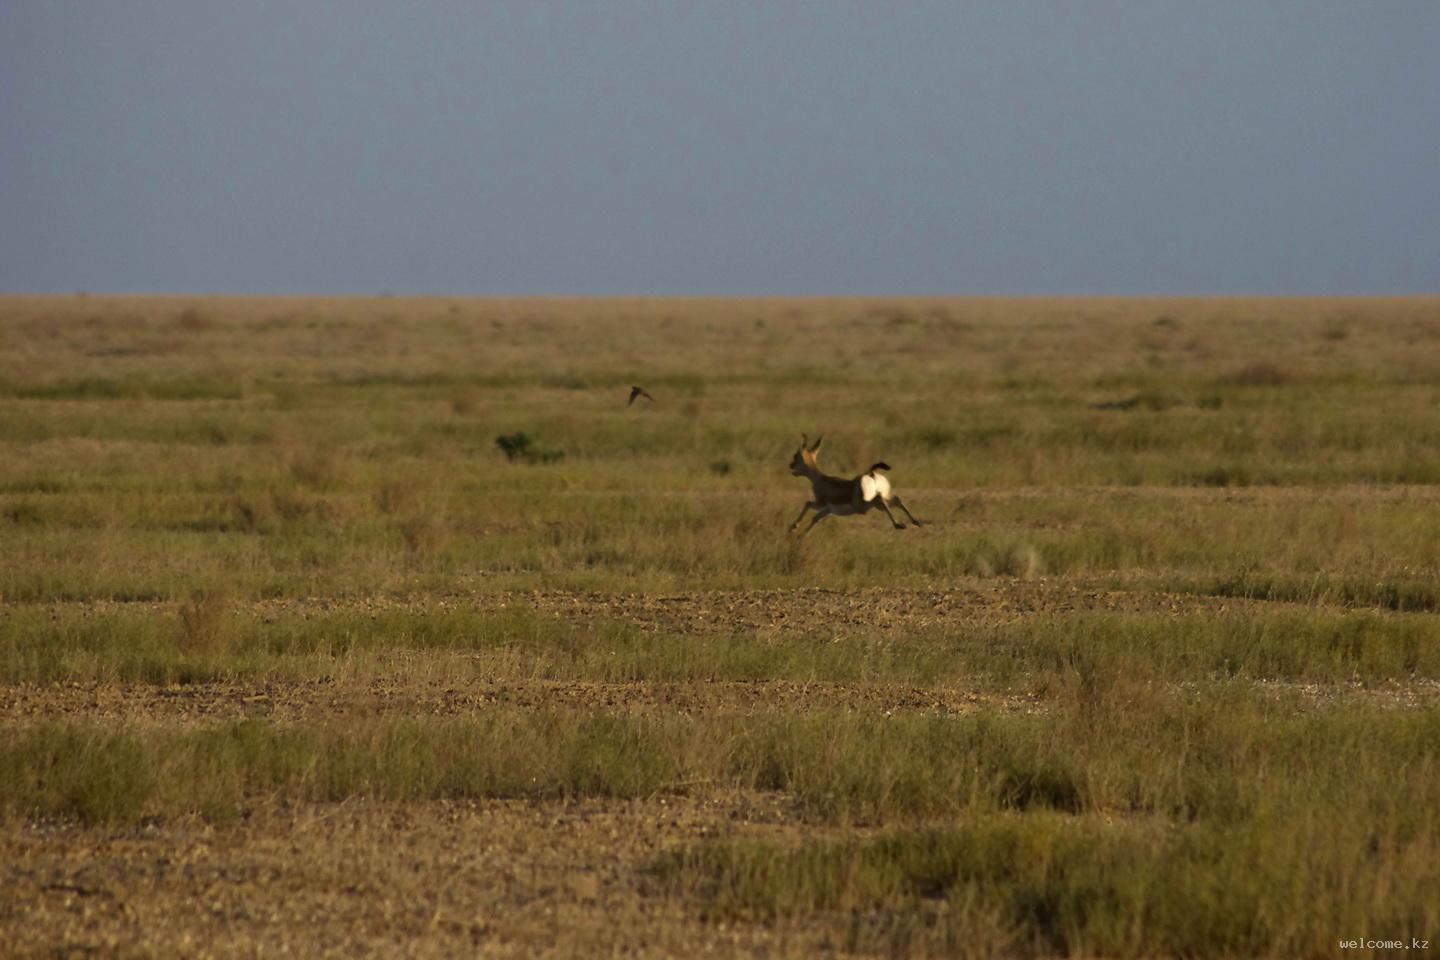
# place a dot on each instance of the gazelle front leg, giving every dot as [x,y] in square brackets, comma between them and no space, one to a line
[901,504]
[808,505]
[821,514]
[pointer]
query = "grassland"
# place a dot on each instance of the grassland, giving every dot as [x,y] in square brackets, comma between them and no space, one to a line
[294,657]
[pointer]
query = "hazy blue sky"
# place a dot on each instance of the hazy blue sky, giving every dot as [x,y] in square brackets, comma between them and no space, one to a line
[720,147]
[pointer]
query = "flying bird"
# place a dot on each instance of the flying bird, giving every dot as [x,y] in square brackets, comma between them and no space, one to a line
[638,392]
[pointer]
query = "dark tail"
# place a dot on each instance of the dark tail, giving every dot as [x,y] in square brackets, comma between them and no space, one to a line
[882,465]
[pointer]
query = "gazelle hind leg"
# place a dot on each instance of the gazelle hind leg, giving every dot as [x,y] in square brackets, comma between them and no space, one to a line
[808,505]
[886,507]
[901,504]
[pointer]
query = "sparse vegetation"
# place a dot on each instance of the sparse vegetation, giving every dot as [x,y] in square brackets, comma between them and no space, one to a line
[1161,676]
[520,643]
[1108,746]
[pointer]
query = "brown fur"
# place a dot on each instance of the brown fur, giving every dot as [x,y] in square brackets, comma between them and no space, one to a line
[839,496]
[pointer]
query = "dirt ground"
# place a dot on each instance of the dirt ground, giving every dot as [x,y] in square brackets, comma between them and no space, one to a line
[864,612]
[489,878]
[497,878]
[203,703]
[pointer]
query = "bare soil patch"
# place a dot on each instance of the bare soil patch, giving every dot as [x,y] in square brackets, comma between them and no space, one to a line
[992,600]
[848,612]
[201,703]
[500,878]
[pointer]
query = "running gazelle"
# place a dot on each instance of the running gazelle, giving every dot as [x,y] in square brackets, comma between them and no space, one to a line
[841,497]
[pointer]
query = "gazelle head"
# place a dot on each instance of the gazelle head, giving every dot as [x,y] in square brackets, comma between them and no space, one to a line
[803,463]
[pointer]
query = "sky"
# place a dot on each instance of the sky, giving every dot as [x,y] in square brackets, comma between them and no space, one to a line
[720,148]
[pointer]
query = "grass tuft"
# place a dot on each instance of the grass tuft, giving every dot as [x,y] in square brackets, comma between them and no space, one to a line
[205,623]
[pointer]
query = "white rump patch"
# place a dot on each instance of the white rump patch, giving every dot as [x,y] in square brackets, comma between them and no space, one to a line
[873,485]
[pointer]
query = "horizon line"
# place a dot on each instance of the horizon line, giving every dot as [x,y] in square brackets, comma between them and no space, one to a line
[432,295]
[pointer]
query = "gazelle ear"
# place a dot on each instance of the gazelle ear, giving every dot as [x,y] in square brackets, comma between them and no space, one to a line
[816,446]
[804,441]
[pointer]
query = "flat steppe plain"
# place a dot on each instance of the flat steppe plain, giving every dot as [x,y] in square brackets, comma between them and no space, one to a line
[296,660]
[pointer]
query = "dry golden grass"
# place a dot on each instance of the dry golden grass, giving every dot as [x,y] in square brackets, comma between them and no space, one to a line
[1165,643]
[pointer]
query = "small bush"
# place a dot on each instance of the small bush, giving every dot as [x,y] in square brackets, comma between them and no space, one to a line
[205,624]
[1021,560]
[936,438]
[194,320]
[1337,328]
[520,447]
[1146,399]
[318,469]
[465,404]
[424,536]
[893,317]
[24,513]
[401,495]
[1261,373]
[292,506]
[1221,477]
[254,514]
[515,446]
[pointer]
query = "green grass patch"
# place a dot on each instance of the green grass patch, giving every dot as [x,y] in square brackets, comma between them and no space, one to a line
[1040,885]
[1405,593]
[213,636]
[1115,749]
[110,388]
